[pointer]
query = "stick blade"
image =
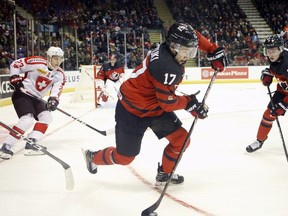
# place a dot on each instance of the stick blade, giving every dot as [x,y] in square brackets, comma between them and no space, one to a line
[148,211]
[110,132]
[69,179]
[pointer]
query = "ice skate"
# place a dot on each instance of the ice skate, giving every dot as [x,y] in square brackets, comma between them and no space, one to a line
[162,178]
[32,151]
[254,146]
[88,156]
[6,152]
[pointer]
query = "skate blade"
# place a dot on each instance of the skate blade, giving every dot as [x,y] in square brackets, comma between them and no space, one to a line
[5,156]
[32,153]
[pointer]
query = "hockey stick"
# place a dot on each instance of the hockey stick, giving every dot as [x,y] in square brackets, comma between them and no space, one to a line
[67,169]
[104,133]
[278,123]
[150,210]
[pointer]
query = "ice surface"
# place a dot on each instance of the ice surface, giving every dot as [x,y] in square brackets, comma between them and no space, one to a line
[220,177]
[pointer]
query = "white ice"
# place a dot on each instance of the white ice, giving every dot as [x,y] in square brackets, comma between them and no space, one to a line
[220,177]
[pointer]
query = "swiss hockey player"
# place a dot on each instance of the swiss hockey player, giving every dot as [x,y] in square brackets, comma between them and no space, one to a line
[40,76]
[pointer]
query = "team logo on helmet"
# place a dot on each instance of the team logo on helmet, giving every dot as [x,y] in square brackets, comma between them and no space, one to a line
[183,34]
[274,41]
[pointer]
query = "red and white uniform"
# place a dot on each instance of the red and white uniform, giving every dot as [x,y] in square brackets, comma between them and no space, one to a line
[150,90]
[38,79]
[110,77]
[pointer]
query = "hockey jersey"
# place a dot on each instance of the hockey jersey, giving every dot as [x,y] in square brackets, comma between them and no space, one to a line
[150,90]
[280,70]
[38,78]
[113,73]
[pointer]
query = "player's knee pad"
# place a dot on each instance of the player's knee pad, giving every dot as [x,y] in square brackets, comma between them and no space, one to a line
[25,122]
[177,139]
[122,159]
[45,117]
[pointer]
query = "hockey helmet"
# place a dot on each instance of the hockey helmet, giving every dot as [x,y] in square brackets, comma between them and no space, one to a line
[273,41]
[182,34]
[55,51]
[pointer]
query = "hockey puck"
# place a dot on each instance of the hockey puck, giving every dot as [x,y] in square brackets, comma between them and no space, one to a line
[153,214]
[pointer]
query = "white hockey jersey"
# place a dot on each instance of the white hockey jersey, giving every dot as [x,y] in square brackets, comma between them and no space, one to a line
[38,79]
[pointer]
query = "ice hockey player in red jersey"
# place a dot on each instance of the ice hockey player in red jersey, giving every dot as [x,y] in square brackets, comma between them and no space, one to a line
[110,76]
[278,60]
[38,76]
[148,99]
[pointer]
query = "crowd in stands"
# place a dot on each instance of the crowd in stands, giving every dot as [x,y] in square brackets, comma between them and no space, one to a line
[97,20]
[275,12]
[228,27]
[105,26]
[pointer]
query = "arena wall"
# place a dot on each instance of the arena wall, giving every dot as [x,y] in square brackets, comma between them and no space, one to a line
[193,75]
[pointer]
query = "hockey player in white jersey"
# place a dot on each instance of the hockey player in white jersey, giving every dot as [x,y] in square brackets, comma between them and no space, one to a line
[38,76]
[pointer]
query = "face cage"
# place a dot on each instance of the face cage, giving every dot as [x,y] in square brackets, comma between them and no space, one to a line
[190,54]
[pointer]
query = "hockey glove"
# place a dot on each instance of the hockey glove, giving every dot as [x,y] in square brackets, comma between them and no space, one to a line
[218,59]
[52,103]
[266,77]
[279,109]
[197,109]
[16,82]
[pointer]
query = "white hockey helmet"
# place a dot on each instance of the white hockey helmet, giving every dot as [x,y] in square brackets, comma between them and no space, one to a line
[55,51]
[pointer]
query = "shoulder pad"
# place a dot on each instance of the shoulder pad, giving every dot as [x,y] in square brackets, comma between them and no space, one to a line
[164,68]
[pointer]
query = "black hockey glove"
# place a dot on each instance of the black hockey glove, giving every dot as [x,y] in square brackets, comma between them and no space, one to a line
[16,82]
[52,103]
[218,59]
[279,109]
[266,77]
[197,109]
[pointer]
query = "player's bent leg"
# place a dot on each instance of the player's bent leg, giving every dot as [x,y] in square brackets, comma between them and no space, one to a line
[170,156]
[107,156]
[263,131]
[24,123]
[40,127]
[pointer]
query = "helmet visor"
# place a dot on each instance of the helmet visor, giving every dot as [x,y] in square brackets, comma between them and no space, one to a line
[188,52]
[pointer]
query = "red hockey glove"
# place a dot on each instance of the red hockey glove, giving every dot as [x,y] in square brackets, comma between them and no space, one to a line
[197,109]
[16,82]
[266,77]
[218,59]
[52,103]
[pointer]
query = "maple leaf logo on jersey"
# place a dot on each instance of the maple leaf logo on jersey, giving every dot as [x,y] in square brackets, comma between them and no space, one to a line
[41,83]
[114,76]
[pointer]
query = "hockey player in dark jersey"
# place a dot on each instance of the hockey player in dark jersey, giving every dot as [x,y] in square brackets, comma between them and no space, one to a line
[278,60]
[109,78]
[148,99]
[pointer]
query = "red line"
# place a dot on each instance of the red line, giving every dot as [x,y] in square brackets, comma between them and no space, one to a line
[181,202]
